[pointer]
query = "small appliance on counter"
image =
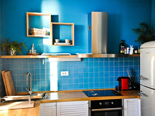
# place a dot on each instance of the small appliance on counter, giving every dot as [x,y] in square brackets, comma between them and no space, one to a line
[123,83]
[127,83]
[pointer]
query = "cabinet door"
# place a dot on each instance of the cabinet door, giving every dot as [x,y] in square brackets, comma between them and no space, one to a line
[48,109]
[132,107]
[77,108]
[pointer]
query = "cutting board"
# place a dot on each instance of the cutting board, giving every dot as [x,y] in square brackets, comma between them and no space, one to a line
[4,81]
[16,105]
[9,82]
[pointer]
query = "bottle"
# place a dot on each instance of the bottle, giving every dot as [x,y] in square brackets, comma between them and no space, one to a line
[122,51]
[121,46]
[138,50]
[135,51]
[30,51]
[32,48]
[131,49]
[35,52]
[127,50]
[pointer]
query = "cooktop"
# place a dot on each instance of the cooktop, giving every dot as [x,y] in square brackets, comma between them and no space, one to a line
[102,93]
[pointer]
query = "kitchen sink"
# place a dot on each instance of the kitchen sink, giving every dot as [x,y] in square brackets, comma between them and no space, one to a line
[34,97]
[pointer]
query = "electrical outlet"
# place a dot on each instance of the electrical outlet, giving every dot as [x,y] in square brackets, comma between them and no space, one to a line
[64,73]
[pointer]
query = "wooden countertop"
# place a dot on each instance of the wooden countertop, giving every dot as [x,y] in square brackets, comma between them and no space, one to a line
[23,112]
[63,97]
[80,96]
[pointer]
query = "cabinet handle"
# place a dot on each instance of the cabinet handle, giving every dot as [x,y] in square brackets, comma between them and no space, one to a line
[142,78]
[107,109]
[142,94]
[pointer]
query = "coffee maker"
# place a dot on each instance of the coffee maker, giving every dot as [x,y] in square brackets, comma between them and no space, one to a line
[124,83]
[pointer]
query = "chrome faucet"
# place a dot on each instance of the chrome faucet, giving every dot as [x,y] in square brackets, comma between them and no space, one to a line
[30,84]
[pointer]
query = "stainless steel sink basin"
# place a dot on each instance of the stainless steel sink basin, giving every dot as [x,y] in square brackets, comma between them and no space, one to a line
[35,96]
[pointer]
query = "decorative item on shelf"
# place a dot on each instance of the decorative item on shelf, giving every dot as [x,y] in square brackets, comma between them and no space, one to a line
[32,48]
[138,50]
[41,32]
[127,50]
[12,47]
[135,51]
[121,47]
[67,41]
[122,51]
[57,42]
[12,52]
[145,33]
[131,49]
[32,51]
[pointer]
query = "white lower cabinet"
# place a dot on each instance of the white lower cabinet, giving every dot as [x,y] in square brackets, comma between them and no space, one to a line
[48,109]
[131,107]
[75,108]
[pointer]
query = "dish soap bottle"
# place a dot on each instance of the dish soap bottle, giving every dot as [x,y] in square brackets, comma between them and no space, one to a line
[121,47]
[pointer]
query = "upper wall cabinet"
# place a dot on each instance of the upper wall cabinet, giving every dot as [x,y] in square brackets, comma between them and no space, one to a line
[38,24]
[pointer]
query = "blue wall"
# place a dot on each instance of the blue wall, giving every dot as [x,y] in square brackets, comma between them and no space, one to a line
[153,14]
[124,15]
[90,73]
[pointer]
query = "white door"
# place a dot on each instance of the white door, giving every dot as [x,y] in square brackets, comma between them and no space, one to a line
[147,101]
[147,67]
[131,107]
[48,109]
[76,108]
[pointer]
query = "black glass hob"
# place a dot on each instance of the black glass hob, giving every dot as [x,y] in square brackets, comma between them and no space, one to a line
[99,93]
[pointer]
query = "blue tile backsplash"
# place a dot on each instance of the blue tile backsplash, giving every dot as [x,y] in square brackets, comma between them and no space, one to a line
[2,89]
[90,73]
